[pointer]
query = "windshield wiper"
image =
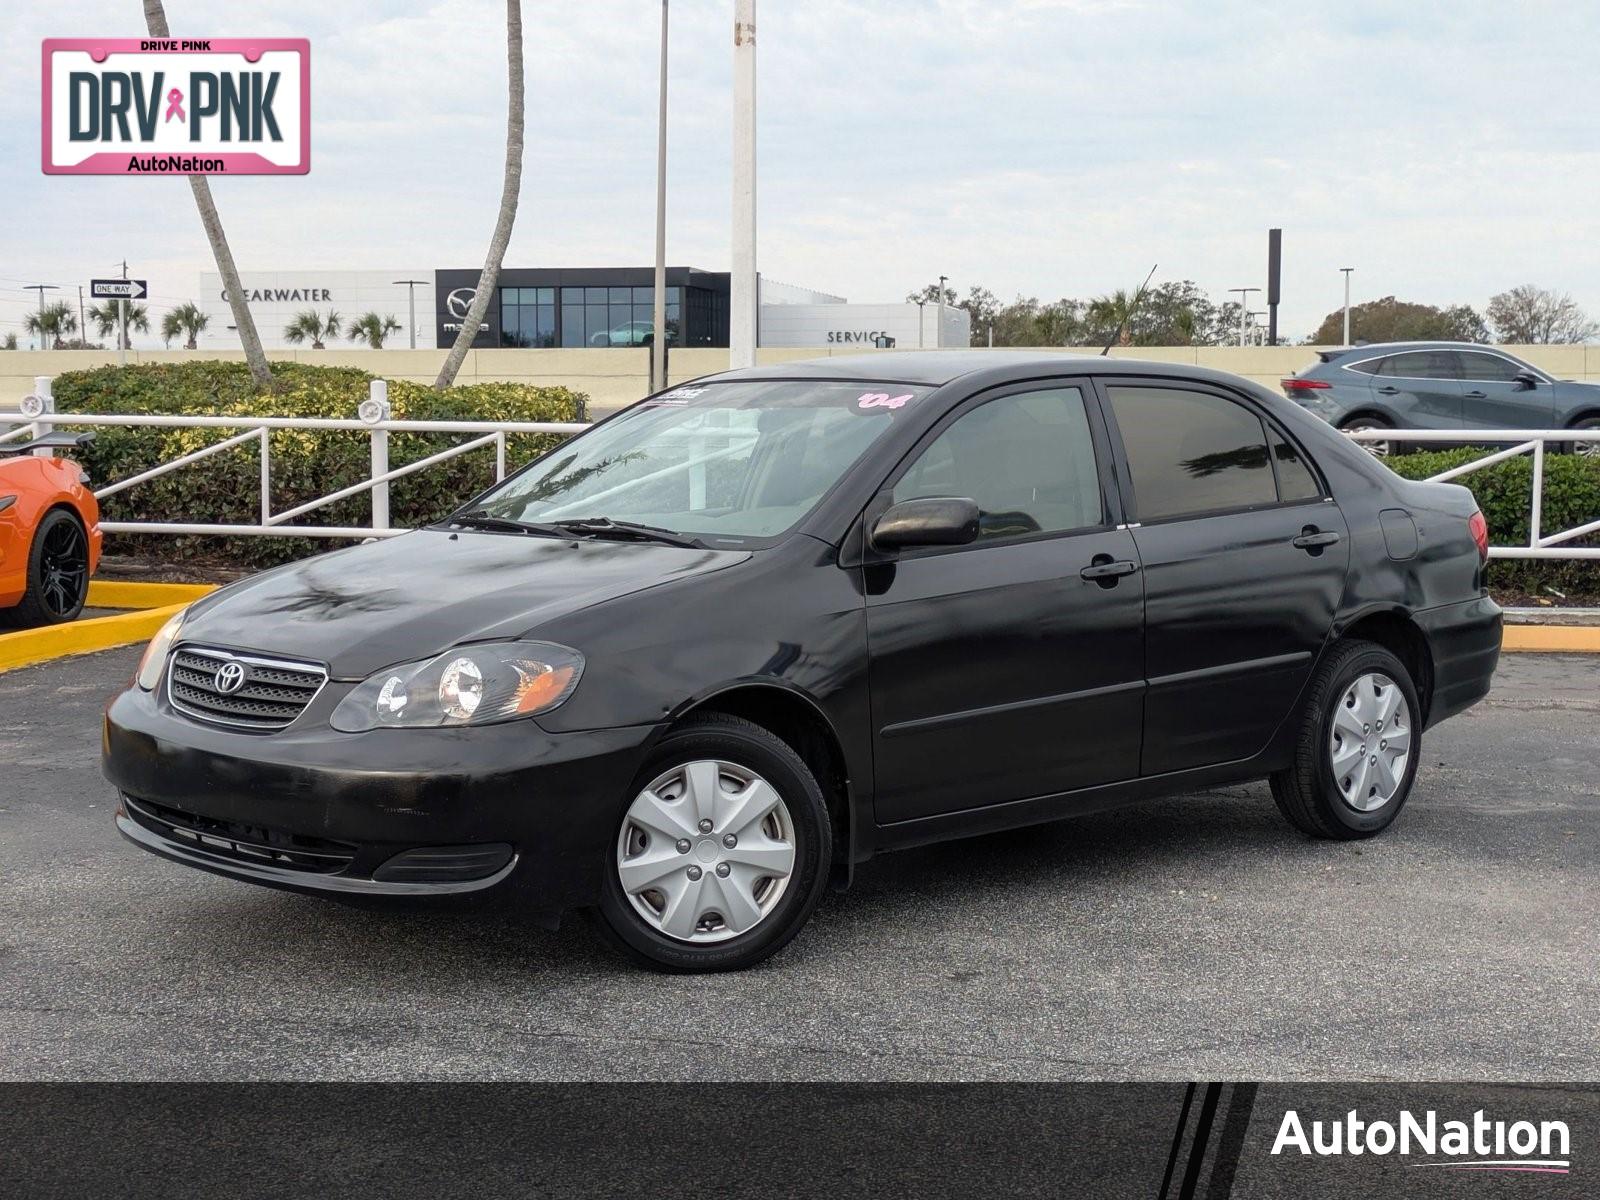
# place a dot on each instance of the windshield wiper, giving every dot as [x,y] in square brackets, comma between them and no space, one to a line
[479,519]
[606,527]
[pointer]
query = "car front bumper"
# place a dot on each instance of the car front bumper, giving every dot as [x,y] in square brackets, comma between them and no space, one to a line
[387,812]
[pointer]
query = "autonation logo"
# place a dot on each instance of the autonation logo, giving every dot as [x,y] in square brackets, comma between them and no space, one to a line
[1476,1145]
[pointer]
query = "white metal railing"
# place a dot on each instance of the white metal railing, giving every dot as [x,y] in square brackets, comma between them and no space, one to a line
[1517,442]
[38,417]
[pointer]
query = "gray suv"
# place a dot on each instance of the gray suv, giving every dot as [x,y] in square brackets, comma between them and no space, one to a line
[1440,385]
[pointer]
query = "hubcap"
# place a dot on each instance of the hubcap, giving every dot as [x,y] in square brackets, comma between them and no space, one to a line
[1369,745]
[706,851]
[63,569]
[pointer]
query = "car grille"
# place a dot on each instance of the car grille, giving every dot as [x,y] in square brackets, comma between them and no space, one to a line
[270,694]
[242,842]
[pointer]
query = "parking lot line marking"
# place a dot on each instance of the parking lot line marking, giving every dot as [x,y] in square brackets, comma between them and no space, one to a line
[1552,639]
[28,646]
[112,593]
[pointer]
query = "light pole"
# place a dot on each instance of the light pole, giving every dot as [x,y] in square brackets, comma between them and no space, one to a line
[41,288]
[1244,303]
[411,300]
[921,304]
[742,283]
[938,333]
[1347,271]
[658,315]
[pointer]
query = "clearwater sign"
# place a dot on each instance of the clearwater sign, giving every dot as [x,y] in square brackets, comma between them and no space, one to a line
[170,106]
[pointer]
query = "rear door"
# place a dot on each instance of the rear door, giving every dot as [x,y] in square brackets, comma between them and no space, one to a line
[999,670]
[1422,388]
[1244,559]
[1493,399]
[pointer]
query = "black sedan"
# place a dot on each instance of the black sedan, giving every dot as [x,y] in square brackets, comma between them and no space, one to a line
[695,664]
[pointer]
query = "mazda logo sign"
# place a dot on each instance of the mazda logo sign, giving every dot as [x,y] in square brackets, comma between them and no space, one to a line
[229,678]
[459,302]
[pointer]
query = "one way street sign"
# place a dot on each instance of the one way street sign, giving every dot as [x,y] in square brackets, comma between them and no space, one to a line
[118,289]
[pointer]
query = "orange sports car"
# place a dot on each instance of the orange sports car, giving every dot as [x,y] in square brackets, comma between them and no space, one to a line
[49,533]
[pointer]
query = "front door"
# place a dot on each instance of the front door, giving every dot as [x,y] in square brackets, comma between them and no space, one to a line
[999,670]
[1244,561]
[1494,399]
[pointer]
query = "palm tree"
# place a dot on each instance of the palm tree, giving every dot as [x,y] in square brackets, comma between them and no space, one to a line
[510,187]
[1114,310]
[53,321]
[372,329]
[311,326]
[9,342]
[106,320]
[186,319]
[155,19]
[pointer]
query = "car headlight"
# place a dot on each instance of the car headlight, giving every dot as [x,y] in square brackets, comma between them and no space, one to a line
[155,654]
[470,685]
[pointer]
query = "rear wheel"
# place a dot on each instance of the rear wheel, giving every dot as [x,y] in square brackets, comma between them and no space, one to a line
[1378,449]
[722,849]
[58,572]
[1357,752]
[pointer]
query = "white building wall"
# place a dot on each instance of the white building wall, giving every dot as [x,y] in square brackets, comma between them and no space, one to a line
[858,325]
[277,297]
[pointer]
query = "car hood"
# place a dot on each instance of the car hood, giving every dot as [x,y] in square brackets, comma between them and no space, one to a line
[370,606]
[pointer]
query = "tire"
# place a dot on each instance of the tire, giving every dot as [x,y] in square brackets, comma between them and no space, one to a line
[1376,449]
[58,572]
[1585,449]
[1340,803]
[796,827]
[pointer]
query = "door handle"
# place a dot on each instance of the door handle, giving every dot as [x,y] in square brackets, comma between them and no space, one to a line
[1476,395]
[1388,391]
[1105,570]
[1313,539]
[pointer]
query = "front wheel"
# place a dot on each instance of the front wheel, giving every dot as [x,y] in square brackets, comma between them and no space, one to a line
[722,849]
[1586,449]
[58,572]
[1356,757]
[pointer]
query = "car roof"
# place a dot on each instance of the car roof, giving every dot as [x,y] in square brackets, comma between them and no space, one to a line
[938,367]
[1372,348]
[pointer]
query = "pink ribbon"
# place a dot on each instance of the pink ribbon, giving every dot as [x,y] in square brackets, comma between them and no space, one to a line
[175,105]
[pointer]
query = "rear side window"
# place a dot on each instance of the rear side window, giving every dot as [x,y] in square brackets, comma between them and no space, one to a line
[1191,452]
[1027,459]
[1421,364]
[1296,481]
[1489,368]
[1371,366]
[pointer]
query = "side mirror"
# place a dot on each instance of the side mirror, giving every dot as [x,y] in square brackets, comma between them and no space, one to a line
[1526,380]
[939,521]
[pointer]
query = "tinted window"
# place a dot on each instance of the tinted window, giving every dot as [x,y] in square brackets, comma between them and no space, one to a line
[1191,452]
[1027,460]
[1370,367]
[1489,368]
[1295,478]
[1421,364]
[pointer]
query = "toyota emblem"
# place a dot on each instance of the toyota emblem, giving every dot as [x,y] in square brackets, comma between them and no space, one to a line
[229,678]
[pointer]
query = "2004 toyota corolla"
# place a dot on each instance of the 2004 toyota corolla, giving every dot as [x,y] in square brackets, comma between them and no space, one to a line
[706,657]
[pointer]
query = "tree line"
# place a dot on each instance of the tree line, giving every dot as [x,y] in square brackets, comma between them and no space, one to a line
[1181,314]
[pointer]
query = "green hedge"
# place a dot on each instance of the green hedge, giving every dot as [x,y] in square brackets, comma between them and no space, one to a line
[225,488]
[1505,493]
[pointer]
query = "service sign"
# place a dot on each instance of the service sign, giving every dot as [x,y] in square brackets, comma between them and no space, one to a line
[177,106]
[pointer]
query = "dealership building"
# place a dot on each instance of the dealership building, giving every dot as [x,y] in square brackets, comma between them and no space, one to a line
[576,307]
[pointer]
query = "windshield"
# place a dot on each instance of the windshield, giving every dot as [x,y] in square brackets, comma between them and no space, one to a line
[719,461]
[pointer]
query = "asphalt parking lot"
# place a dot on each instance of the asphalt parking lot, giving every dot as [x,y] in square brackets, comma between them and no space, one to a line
[1194,937]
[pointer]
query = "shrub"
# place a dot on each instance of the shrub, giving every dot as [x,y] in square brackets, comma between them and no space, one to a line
[305,464]
[1505,492]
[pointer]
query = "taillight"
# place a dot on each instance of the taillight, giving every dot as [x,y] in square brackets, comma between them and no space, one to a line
[1304,385]
[1480,534]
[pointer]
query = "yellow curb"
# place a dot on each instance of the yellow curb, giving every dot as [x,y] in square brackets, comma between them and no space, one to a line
[109,593]
[1552,639]
[27,646]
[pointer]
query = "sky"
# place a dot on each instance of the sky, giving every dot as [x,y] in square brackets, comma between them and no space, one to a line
[1041,148]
